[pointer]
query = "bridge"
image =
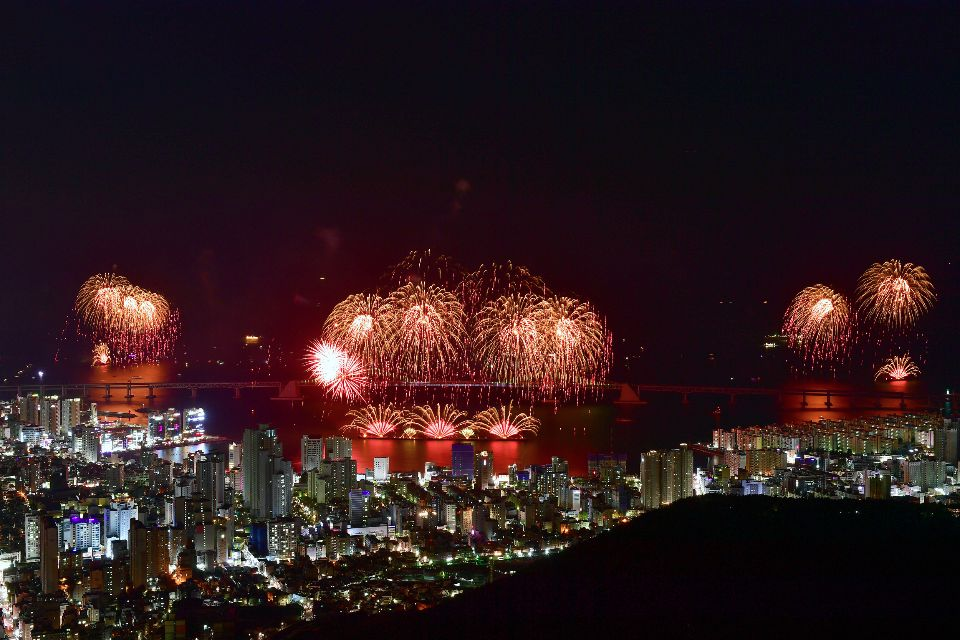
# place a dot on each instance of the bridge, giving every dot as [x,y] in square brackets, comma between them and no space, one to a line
[800,398]
[627,394]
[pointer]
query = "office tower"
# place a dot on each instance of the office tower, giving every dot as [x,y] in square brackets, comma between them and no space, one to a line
[311,453]
[260,447]
[359,500]
[462,461]
[381,469]
[69,416]
[483,468]
[343,478]
[650,480]
[31,538]
[282,539]
[338,448]
[117,519]
[211,473]
[80,533]
[49,555]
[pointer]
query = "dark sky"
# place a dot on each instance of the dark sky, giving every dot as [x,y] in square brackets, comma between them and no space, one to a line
[653,159]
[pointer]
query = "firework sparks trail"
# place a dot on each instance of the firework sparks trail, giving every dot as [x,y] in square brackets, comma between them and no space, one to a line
[338,372]
[576,343]
[895,294]
[897,368]
[426,329]
[501,422]
[376,421]
[438,423]
[135,324]
[507,342]
[357,324]
[818,324]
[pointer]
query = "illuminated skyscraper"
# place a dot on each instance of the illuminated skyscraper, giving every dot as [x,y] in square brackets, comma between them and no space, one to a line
[650,480]
[49,536]
[381,469]
[483,468]
[69,416]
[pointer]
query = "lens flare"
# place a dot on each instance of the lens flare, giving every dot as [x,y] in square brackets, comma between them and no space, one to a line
[438,423]
[376,421]
[818,324]
[339,373]
[895,294]
[897,368]
[501,422]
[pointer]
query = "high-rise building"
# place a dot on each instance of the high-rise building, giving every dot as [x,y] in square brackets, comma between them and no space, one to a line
[31,538]
[607,468]
[317,486]
[87,443]
[650,480]
[50,415]
[945,443]
[260,448]
[49,555]
[483,468]
[29,409]
[666,476]
[462,460]
[555,477]
[381,469]
[118,517]
[282,538]
[149,552]
[69,416]
[343,478]
[359,499]
[338,448]
[234,453]
[282,488]
[211,473]
[311,453]
[81,534]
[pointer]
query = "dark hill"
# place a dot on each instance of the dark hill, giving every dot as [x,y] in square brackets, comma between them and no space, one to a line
[715,567]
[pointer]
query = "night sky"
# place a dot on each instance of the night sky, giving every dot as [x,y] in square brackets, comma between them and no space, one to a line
[654,160]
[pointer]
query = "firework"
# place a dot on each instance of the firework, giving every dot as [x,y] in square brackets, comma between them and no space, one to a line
[467,433]
[898,368]
[357,325]
[504,424]
[497,280]
[508,344]
[101,355]
[437,424]
[818,324]
[428,268]
[342,375]
[426,326]
[134,323]
[575,342]
[895,293]
[376,421]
